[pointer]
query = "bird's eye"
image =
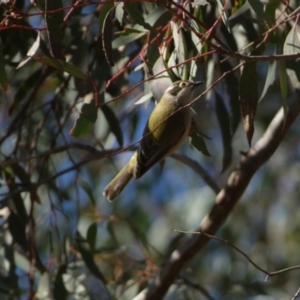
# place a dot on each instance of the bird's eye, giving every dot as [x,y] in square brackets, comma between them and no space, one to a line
[182,84]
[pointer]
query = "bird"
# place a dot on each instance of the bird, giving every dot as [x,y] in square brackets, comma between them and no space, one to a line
[167,127]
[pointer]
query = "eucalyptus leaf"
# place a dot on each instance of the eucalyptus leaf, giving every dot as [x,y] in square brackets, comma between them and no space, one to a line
[54,23]
[224,122]
[3,75]
[249,98]
[292,46]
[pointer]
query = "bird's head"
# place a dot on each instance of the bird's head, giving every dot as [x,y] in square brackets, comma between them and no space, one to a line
[181,92]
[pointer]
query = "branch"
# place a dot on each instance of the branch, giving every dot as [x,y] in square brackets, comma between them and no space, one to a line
[195,166]
[269,274]
[225,201]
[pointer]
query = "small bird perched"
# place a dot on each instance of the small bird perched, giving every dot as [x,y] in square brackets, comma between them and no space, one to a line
[166,129]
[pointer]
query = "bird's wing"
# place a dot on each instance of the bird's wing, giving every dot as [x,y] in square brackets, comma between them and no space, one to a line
[151,151]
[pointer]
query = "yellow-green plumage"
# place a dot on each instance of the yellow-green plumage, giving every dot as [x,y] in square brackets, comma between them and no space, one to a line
[166,129]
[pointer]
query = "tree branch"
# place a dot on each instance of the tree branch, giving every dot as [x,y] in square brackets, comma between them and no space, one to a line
[195,166]
[225,200]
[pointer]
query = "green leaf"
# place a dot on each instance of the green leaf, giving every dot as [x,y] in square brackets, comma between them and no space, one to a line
[271,76]
[63,66]
[271,7]
[127,31]
[5,286]
[59,289]
[180,51]
[258,8]
[199,143]
[271,10]
[31,52]
[113,123]
[200,2]
[161,82]
[119,12]
[84,248]
[240,6]
[11,270]
[24,87]
[17,228]
[158,17]
[283,85]
[54,23]
[92,235]
[292,46]
[145,99]
[18,202]
[88,189]
[104,11]
[224,15]
[196,124]
[86,119]
[107,35]
[124,40]
[249,98]
[232,85]
[224,122]
[3,75]
[136,15]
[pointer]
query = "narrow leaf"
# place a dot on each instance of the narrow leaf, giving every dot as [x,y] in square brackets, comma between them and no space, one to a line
[113,123]
[124,40]
[59,289]
[136,15]
[232,85]
[54,23]
[160,83]
[196,124]
[224,15]
[86,119]
[104,11]
[17,228]
[238,11]
[31,52]
[224,122]
[88,189]
[292,46]
[271,9]
[18,202]
[258,8]
[120,12]
[83,247]
[158,16]
[283,85]
[107,35]
[63,66]
[127,31]
[3,75]
[146,98]
[199,143]
[249,98]
[271,76]
[92,235]
[23,89]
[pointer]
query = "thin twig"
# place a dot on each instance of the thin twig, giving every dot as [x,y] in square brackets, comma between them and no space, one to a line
[230,244]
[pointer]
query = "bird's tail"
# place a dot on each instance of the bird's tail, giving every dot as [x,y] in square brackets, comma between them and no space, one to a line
[116,186]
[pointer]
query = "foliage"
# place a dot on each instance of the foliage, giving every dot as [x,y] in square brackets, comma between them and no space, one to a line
[71,72]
